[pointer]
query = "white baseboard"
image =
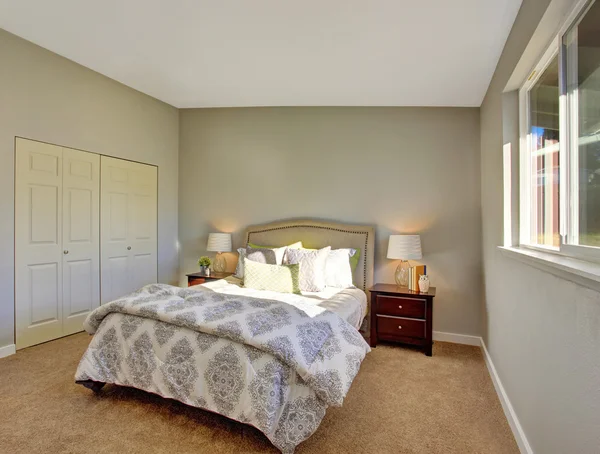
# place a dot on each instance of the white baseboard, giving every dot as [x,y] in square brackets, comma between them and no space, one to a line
[509,411]
[7,351]
[457,338]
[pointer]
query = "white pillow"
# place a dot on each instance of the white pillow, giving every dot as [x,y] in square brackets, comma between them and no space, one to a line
[269,256]
[312,267]
[338,272]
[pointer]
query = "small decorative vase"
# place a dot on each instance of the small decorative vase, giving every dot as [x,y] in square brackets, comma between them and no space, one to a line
[424,283]
[401,274]
[205,270]
[220,265]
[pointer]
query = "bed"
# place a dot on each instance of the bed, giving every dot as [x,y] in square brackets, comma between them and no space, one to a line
[274,361]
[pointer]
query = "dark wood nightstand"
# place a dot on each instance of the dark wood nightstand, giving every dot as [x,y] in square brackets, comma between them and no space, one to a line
[199,278]
[402,315]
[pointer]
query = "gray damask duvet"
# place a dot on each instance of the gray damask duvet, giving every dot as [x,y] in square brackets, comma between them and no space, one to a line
[260,362]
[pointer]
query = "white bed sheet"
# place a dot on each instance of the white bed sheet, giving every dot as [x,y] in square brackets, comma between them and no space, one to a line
[350,303]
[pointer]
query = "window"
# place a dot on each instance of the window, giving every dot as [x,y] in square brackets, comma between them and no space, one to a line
[581,45]
[560,143]
[540,161]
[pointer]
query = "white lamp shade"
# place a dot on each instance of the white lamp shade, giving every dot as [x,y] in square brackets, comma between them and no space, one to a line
[219,242]
[404,247]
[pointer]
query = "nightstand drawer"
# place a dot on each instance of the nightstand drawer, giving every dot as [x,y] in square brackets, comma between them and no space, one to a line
[200,278]
[396,326]
[401,307]
[196,281]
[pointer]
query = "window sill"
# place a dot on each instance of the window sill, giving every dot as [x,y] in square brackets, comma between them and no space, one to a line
[581,272]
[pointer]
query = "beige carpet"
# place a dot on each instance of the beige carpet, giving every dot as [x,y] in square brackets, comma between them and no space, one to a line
[400,402]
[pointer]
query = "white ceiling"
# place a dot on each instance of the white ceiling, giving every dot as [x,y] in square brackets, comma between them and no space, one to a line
[221,53]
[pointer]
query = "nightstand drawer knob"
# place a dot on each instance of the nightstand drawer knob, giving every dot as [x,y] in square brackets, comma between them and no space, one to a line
[399,327]
[399,307]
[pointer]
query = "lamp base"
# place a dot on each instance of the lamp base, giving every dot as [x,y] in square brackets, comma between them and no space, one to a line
[220,264]
[401,274]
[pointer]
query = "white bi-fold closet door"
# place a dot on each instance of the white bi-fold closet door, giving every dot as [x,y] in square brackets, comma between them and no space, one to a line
[128,227]
[75,214]
[57,240]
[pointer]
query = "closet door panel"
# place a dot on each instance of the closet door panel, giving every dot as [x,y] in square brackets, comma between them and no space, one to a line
[144,269]
[128,227]
[118,281]
[44,216]
[114,214]
[44,294]
[81,237]
[119,216]
[38,237]
[143,227]
[78,293]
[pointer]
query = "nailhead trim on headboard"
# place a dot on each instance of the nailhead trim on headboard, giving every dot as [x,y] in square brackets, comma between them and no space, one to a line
[324,228]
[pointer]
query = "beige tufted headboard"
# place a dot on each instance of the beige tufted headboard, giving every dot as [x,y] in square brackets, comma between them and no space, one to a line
[318,234]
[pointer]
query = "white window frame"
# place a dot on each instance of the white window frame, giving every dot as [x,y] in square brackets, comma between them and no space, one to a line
[569,169]
[526,197]
[569,148]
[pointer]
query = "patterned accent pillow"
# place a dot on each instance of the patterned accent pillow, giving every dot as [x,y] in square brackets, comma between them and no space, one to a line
[296,245]
[239,269]
[338,271]
[312,267]
[276,278]
[270,256]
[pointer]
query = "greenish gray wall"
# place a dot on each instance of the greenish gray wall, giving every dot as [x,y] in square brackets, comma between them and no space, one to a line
[46,97]
[542,332]
[401,169]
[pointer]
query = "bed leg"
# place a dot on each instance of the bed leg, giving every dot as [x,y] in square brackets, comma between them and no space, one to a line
[95,386]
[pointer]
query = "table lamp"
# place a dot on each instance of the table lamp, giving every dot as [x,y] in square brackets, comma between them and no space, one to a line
[404,248]
[219,243]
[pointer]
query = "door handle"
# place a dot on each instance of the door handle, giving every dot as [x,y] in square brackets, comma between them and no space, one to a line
[129,248]
[65,252]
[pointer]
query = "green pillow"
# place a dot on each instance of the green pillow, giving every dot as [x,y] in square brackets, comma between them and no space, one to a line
[276,278]
[297,245]
[355,259]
